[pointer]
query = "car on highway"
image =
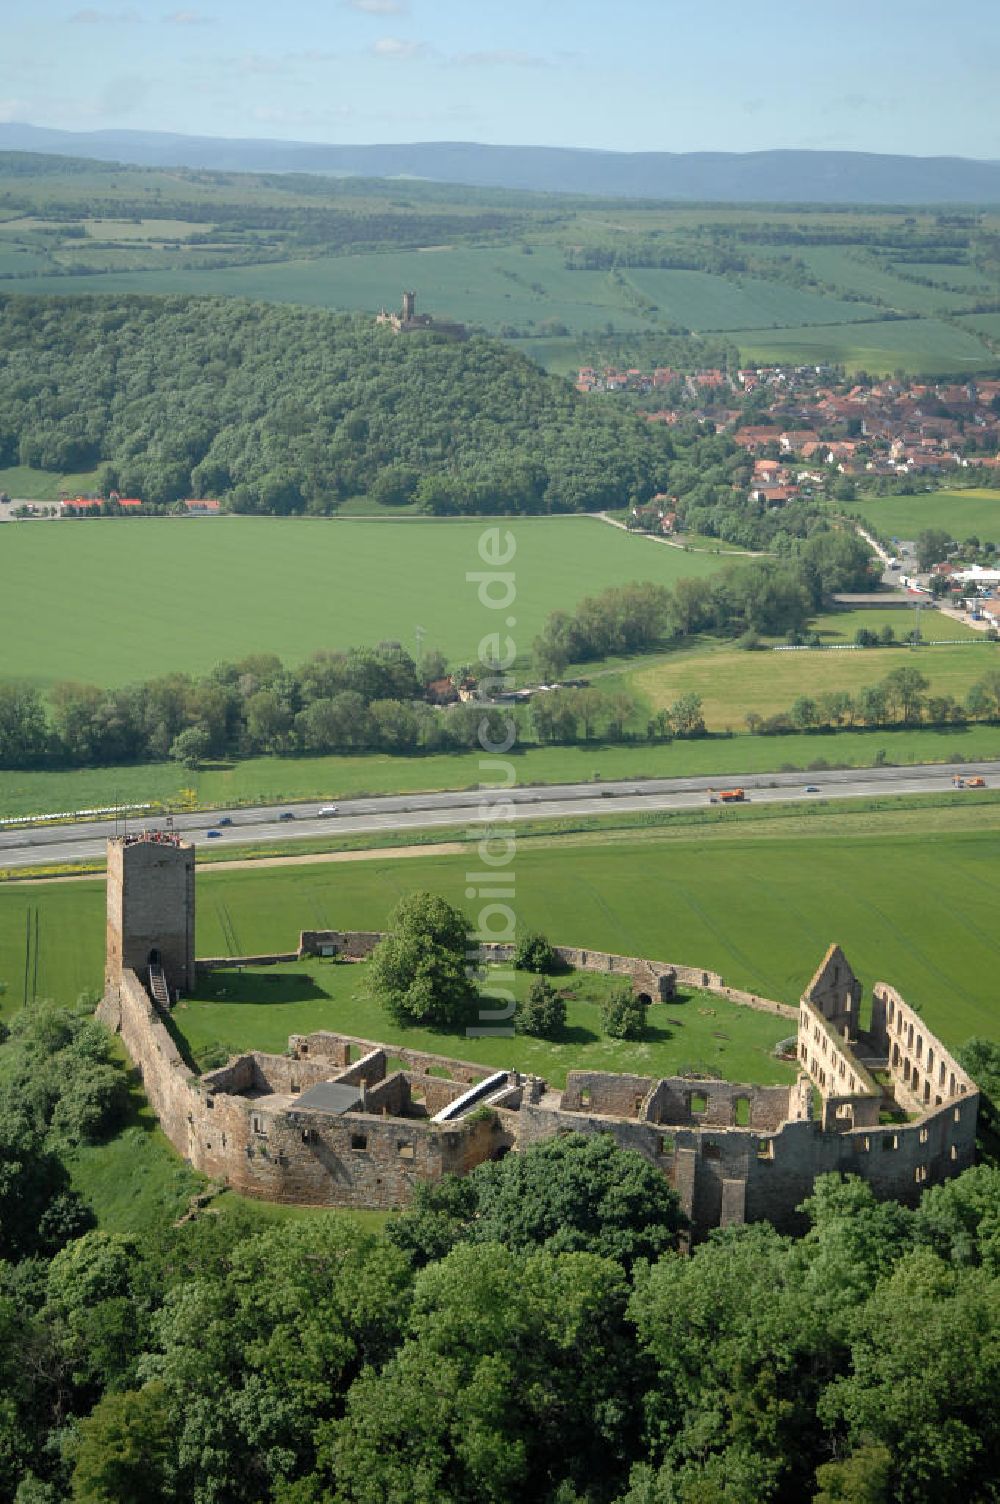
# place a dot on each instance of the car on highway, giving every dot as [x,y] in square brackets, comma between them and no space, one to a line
[212,835]
[286,814]
[811,788]
[327,809]
[226,820]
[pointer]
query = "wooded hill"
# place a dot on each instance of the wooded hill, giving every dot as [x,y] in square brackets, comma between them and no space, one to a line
[286,409]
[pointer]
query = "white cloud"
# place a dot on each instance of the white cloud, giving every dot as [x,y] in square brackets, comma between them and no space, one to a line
[499,57]
[12,110]
[397,47]
[186,18]
[90,17]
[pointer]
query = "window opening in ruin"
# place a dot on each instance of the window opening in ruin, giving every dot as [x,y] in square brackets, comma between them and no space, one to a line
[954,1152]
[666,1144]
[585,1099]
[958,1114]
[924,1135]
[256,1124]
[294,1087]
[209,1103]
[890,1141]
[711,1151]
[699,1101]
[406,1151]
[741,1112]
[309,1136]
[638,1106]
[359,1142]
[765,1148]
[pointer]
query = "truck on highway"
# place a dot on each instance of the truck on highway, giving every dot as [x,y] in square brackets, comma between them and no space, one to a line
[976,783]
[732,796]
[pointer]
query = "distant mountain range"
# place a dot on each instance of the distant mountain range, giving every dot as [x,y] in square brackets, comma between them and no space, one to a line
[824,177]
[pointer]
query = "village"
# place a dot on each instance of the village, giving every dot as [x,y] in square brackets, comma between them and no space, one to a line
[889,428]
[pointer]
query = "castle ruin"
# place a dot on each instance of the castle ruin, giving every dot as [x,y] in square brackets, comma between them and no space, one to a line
[409,321]
[343,1121]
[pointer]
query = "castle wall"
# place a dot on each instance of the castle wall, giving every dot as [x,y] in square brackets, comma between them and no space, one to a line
[828,1058]
[727,1174]
[923,1072]
[304,1158]
[836,992]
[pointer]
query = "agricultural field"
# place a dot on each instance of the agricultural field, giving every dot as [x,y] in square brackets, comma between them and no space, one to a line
[704,302]
[128,599]
[498,260]
[869,276]
[917,346]
[260,1008]
[911,895]
[732,683]
[964,514]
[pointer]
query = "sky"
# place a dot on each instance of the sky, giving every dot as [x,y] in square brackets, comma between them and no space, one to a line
[908,76]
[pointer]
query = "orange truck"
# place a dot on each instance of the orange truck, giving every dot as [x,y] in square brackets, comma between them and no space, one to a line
[732,796]
[976,783]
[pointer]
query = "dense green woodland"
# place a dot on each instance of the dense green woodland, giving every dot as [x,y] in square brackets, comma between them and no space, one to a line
[528,1333]
[286,409]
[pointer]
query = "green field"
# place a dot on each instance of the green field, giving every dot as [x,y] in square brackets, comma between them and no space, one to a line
[701,301]
[126,599]
[852,268]
[964,514]
[926,346]
[732,682]
[911,895]
[45,485]
[840,626]
[259,1009]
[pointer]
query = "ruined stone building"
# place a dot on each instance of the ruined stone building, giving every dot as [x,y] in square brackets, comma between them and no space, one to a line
[409,321]
[341,1121]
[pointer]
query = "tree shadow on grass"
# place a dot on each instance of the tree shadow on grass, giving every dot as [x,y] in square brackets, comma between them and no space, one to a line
[576,1034]
[259,988]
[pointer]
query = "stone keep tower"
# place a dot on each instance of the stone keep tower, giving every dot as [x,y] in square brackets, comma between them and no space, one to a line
[151,909]
[409,307]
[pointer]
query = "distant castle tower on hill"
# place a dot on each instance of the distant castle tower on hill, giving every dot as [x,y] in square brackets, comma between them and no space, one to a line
[409,321]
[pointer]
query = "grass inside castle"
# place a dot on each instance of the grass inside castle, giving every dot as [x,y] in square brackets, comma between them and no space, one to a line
[257,1008]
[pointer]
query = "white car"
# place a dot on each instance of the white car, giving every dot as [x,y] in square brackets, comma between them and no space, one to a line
[328,809]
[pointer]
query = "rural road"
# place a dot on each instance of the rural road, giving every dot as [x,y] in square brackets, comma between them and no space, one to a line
[401,812]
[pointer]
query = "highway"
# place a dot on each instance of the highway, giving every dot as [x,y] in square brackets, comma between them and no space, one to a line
[397,813]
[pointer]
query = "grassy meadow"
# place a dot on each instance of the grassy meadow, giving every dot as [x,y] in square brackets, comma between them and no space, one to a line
[963,514]
[262,1007]
[28,484]
[131,598]
[911,894]
[732,682]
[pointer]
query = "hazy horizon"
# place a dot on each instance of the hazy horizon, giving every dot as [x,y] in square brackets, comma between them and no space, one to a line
[652,77]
